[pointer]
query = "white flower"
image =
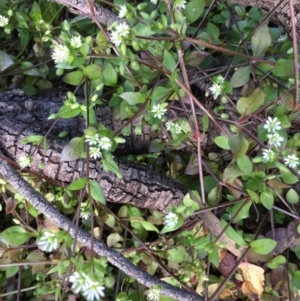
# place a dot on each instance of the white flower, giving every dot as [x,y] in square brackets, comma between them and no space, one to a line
[93,291]
[268,155]
[92,140]
[76,42]
[275,139]
[47,242]
[60,53]
[85,210]
[80,281]
[154,2]
[153,294]
[169,125]
[282,38]
[95,152]
[292,161]
[123,29]
[3,21]
[180,4]
[116,39]
[24,161]
[215,90]
[123,11]
[272,125]
[177,128]
[105,143]
[173,125]
[158,111]
[171,219]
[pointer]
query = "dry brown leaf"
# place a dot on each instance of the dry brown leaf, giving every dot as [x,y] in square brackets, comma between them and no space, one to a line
[253,280]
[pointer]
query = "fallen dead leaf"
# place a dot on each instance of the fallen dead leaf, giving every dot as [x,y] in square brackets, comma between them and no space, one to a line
[253,280]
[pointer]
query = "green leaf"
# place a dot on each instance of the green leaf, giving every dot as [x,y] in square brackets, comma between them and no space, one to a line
[77,184]
[110,76]
[276,262]
[134,98]
[292,196]
[284,68]
[168,61]
[176,255]
[245,164]
[156,146]
[110,165]
[261,41]
[289,178]
[222,142]
[254,196]
[97,192]
[193,10]
[247,105]
[65,112]
[73,150]
[233,235]
[11,271]
[33,139]
[296,279]
[213,30]
[263,246]
[113,238]
[189,202]
[239,145]
[93,71]
[231,172]
[73,78]
[267,199]
[14,236]
[214,256]
[243,213]
[240,77]
[148,226]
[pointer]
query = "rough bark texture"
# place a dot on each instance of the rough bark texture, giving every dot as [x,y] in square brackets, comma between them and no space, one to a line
[21,116]
[281,15]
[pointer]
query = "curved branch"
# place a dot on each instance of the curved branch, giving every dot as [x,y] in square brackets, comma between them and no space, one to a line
[115,258]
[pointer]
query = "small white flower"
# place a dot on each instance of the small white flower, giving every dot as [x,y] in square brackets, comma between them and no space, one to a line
[95,152]
[60,53]
[282,38]
[154,2]
[292,161]
[85,210]
[105,143]
[123,11]
[275,139]
[3,21]
[158,111]
[116,39]
[24,161]
[268,155]
[173,125]
[123,29]
[76,42]
[94,290]
[177,128]
[169,125]
[215,90]
[180,4]
[153,294]
[47,242]
[272,125]
[171,219]
[92,140]
[80,281]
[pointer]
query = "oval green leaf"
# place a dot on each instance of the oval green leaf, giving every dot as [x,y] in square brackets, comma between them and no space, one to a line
[97,192]
[73,150]
[267,199]
[73,78]
[263,246]
[222,142]
[134,98]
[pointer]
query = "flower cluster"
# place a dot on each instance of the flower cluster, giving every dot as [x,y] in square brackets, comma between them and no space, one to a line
[122,31]
[123,11]
[90,289]
[272,126]
[217,87]
[75,42]
[159,110]
[171,219]
[97,144]
[48,241]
